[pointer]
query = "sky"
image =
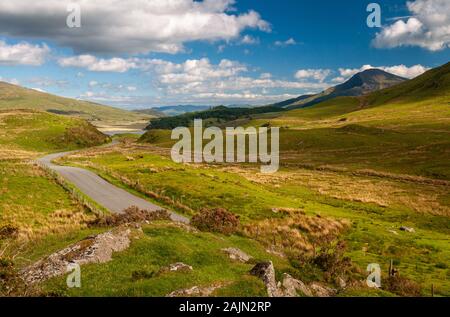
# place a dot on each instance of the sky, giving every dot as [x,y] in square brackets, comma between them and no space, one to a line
[148,53]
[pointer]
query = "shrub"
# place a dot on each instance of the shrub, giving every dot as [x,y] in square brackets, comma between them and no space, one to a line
[331,260]
[216,220]
[402,286]
[9,232]
[130,215]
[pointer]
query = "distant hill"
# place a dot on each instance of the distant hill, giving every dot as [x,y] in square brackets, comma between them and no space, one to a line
[360,84]
[16,97]
[151,112]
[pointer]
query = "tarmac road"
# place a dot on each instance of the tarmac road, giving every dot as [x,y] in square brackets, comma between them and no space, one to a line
[111,197]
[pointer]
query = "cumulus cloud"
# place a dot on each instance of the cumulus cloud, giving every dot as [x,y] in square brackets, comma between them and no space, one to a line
[133,26]
[428,27]
[399,70]
[23,54]
[316,74]
[199,81]
[92,63]
[288,42]
[249,40]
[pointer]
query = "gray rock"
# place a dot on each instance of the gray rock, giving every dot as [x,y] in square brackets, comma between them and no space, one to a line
[407,229]
[237,255]
[266,272]
[291,287]
[179,267]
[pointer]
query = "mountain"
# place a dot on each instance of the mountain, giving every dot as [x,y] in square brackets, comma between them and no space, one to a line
[360,84]
[152,112]
[16,97]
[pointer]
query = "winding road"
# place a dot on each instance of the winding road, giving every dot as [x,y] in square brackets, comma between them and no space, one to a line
[111,197]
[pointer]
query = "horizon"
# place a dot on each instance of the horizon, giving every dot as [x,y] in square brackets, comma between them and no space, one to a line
[243,53]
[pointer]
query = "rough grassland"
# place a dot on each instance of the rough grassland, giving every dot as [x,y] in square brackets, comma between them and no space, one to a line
[376,215]
[29,198]
[162,244]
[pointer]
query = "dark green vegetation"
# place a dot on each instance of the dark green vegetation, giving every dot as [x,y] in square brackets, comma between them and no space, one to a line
[16,97]
[215,116]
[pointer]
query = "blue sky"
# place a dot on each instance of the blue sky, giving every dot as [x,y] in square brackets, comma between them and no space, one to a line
[146,53]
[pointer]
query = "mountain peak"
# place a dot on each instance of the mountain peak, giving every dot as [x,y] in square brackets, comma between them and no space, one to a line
[362,83]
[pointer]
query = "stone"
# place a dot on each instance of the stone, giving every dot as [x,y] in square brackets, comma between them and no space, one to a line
[321,290]
[237,255]
[266,272]
[407,229]
[292,286]
[196,291]
[179,267]
[94,249]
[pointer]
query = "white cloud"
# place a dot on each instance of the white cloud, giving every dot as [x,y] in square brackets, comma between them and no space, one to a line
[92,63]
[288,42]
[399,70]
[316,74]
[23,54]
[428,27]
[133,26]
[249,40]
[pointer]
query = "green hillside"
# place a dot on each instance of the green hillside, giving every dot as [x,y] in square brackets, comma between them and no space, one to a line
[16,97]
[34,131]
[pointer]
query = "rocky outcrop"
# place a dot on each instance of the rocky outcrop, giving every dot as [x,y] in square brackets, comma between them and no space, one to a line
[266,272]
[237,255]
[407,229]
[94,249]
[178,267]
[196,291]
[289,287]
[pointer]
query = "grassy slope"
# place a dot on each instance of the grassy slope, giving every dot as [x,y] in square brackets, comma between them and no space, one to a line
[162,244]
[30,199]
[16,97]
[45,132]
[403,129]
[372,210]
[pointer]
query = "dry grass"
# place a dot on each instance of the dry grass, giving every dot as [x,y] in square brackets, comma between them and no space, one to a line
[296,234]
[385,192]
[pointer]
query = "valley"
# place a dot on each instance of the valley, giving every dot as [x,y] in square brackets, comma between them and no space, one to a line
[363,179]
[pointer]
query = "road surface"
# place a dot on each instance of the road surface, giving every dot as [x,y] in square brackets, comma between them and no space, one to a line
[111,197]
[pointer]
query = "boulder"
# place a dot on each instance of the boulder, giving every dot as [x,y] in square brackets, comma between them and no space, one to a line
[237,255]
[179,267]
[407,229]
[291,287]
[266,272]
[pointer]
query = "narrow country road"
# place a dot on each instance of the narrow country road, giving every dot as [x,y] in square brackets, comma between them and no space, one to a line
[111,197]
